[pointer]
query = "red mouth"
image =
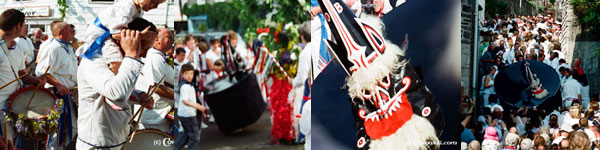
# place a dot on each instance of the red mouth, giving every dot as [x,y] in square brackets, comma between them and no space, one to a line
[391,116]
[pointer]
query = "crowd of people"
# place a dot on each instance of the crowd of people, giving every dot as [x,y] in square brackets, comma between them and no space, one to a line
[573,125]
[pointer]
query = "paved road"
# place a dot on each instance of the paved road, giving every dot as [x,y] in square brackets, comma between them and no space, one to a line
[255,136]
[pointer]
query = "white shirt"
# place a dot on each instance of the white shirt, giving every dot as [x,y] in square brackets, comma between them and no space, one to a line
[565,65]
[315,37]
[115,18]
[554,63]
[305,126]
[571,88]
[43,44]
[213,56]
[188,93]
[27,48]
[303,66]
[98,123]
[7,74]
[547,62]
[509,56]
[154,69]
[62,61]
[195,57]
[176,74]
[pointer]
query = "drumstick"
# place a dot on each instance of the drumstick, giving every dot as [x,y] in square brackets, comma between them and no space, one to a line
[36,88]
[11,81]
[141,112]
[151,90]
[5,134]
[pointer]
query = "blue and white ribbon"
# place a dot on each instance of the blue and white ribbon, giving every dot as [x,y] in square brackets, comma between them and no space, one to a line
[96,47]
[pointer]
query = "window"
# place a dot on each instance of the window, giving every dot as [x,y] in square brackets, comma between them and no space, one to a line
[41,26]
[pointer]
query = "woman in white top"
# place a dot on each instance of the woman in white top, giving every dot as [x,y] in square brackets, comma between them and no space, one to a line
[487,85]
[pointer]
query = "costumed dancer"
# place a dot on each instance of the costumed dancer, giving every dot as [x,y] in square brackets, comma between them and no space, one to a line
[154,69]
[58,54]
[392,107]
[104,96]
[12,65]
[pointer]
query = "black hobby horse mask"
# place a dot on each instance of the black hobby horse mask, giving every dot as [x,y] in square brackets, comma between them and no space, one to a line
[392,107]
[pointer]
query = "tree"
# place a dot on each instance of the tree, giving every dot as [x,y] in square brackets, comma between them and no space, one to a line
[588,14]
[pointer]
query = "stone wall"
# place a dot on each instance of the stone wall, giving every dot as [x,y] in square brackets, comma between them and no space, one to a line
[575,44]
[590,63]
[466,42]
[570,28]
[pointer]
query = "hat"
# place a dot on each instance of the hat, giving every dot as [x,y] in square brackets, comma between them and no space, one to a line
[511,139]
[491,134]
[526,144]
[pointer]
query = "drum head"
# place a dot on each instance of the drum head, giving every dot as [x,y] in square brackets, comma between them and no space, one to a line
[150,139]
[40,106]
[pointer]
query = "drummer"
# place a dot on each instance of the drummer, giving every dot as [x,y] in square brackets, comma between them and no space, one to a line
[154,69]
[104,96]
[12,66]
[58,54]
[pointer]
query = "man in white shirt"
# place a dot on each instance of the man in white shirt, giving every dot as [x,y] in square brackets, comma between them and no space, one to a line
[554,60]
[154,69]
[104,96]
[571,89]
[26,46]
[509,55]
[62,74]
[60,57]
[11,24]
[562,63]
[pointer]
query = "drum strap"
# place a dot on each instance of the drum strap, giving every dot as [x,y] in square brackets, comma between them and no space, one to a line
[65,124]
[100,147]
[5,50]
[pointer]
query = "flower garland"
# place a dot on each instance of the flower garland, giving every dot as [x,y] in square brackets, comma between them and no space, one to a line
[38,127]
[281,111]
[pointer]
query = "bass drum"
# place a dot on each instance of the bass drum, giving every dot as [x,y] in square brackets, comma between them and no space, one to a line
[512,86]
[235,103]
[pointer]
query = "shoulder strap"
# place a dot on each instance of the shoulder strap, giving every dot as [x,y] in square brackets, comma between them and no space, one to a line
[5,50]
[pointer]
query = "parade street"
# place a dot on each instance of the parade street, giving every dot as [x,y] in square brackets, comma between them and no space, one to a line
[255,136]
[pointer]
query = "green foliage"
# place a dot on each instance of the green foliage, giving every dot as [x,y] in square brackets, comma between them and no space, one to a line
[62,8]
[282,17]
[221,16]
[493,7]
[588,14]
